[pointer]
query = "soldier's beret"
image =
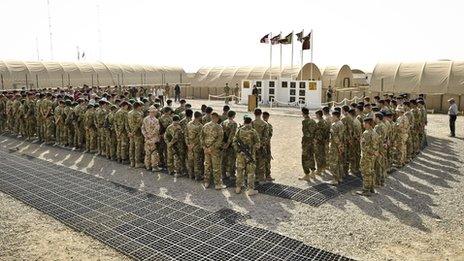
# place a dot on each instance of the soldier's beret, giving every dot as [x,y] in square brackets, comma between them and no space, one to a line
[96,105]
[89,106]
[376,109]
[246,116]
[113,107]
[131,101]
[123,103]
[67,102]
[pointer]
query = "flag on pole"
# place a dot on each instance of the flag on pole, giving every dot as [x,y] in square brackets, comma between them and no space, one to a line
[300,36]
[275,39]
[287,40]
[265,39]
[306,42]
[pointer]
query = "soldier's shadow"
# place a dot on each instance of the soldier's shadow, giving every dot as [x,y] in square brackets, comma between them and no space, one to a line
[412,192]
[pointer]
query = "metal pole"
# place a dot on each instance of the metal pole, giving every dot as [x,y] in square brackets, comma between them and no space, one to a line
[37,80]
[292,51]
[50,29]
[312,47]
[270,57]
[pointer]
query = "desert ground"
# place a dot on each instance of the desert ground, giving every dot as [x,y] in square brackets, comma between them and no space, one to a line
[416,216]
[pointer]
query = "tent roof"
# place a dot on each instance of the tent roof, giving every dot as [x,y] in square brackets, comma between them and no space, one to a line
[419,77]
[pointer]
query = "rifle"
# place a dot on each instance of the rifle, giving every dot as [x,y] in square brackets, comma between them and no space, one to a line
[245,149]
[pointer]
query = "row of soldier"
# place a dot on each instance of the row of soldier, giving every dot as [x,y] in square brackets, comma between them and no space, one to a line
[203,145]
[368,139]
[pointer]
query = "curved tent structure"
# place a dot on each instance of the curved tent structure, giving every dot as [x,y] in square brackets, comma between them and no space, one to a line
[219,76]
[337,77]
[437,77]
[360,78]
[18,74]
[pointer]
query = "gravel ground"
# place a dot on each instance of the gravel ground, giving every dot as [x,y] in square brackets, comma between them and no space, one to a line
[418,215]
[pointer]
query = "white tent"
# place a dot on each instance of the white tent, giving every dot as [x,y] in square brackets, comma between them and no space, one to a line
[18,74]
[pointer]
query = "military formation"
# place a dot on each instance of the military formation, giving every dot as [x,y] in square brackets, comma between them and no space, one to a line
[368,139]
[131,126]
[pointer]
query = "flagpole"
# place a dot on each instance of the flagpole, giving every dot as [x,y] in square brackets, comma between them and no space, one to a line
[312,47]
[292,50]
[301,61]
[270,56]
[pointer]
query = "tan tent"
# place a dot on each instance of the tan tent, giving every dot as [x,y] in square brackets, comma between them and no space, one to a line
[219,76]
[360,78]
[19,74]
[308,70]
[437,77]
[337,77]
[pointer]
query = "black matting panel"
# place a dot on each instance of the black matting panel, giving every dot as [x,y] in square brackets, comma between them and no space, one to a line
[140,225]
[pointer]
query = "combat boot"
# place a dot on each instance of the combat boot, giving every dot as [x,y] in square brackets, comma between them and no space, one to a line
[219,187]
[238,190]
[252,192]
[364,192]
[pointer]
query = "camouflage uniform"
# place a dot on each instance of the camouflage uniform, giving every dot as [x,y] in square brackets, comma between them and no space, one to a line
[2,114]
[410,142]
[150,131]
[174,138]
[307,145]
[20,116]
[380,164]
[229,128]
[165,120]
[369,148]
[120,122]
[321,139]
[69,125]
[422,133]
[347,160]
[47,113]
[90,131]
[400,141]
[79,128]
[183,151]
[356,150]
[30,118]
[336,150]
[100,115]
[268,151]
[250,138]
[60,136]
[417,125]
[227,93]
[262,128]
[211,138]
[206,118]
[110,133]
[195,152]
[134,131]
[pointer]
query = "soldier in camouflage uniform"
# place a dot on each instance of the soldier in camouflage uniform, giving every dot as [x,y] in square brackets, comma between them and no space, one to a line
[90,131]
[134,132]
[225,111]
[150,131]
[207,117]
[79,128]
[165,120]
[417,125]
[59,123]
[187,117]
[227,93]
[321,139]
[400,141]
[267,147]
[380,164]
[194,149]
[30,120]
[2,113]
[120,122]
[16,114]
[409,143]
[262,128]
[47,115]
[422,133]
[174,139]
[249,137]
[211,141]
[336,148]
[100,116]
[38,117]
[387,119]
[348,156]
[179,111]
[110,129]
[229,128]
[20,115]
[369,152]
[68,123]
[356,143]
[307,145]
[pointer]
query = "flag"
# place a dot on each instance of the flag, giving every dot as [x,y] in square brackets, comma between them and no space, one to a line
[300,36]
[265,39]
[275,39]
[306,42]
[287,40]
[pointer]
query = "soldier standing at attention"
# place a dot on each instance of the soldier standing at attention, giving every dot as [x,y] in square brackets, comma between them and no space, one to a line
[321,139]
[369,152]
[165,120]
[120,121]
[236,93]
[356,150]
[89,123]
[39,117]
[79,129]
[225,111]
[211,141]
[100,115]
[134,131]
[417,127]
[249,138]
[59,117]
[267,147]
[401,137]
[194,149]
[307,145]
[227,93]
[229,127]
[110,127]
[173,138]
[380,168]
[336,148]
[207,117]
[150,131]
[188,114]
[262,128]
[347,141]
[328,118]
[180,110]
[410,142]
[422,133]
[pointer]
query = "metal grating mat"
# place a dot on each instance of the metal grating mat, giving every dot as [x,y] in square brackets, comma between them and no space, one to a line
[140,225]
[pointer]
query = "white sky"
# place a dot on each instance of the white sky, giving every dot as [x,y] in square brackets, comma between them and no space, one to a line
[192,34]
